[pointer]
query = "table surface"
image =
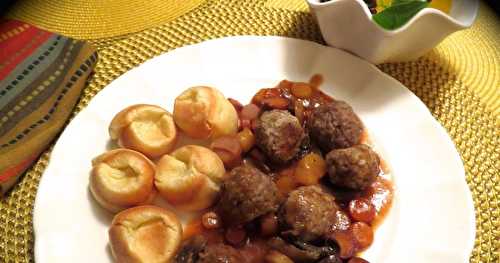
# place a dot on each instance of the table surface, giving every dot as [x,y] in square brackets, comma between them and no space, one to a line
[459,81]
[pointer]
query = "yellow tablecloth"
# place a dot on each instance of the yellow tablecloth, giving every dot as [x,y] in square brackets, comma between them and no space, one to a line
[459,81]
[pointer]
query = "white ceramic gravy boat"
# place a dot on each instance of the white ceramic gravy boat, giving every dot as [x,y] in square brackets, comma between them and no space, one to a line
[348,25]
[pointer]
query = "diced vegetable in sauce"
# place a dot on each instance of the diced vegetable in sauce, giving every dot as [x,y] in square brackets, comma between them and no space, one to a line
[264,239]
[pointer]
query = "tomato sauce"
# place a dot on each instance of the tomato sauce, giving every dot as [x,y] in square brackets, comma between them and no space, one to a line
[300,98]
[192,228]
[195,227]
[300,103]
[287,96]
[380,195]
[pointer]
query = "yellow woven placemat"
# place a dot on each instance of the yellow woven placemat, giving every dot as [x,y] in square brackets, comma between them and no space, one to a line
[84,19]
[472,126]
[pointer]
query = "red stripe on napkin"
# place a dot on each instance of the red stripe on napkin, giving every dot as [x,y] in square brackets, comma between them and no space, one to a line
[17,169]
[23,44]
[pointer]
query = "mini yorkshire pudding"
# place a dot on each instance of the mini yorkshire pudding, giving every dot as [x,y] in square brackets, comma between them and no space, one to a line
[190,177]
[122,178]
[204,112]
[145,234]
[148,129]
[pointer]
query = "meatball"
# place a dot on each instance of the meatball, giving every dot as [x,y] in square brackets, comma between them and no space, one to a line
[247,194]
[355,168]
[334,125]
[279,135]
[219,253]
[309,212]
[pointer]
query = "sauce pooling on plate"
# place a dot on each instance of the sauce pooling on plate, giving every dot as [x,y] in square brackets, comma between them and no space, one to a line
[306,185]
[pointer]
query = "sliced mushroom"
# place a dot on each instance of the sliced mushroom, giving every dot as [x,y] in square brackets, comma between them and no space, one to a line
[296,254]
[189,253]
[301,252]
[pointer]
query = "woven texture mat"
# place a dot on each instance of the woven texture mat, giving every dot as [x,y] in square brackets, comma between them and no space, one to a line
[86,19]
[444,86]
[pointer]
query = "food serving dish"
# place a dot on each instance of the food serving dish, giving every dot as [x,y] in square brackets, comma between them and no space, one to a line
[426,170]
[348,25]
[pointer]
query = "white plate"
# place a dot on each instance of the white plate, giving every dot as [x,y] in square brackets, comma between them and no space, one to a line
[432,218]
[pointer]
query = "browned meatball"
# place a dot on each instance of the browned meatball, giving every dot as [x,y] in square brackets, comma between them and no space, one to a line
[247,194]
[309,211]
[279,135]
[334,125]
[219,253]
[355,168]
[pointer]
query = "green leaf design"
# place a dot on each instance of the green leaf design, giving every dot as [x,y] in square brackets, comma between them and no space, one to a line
[397,2]
[400,12]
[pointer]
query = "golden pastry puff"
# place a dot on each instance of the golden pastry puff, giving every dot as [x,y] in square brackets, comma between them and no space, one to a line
[145,234]
[204,112]
[148,129]
[122,178]
[190,177]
